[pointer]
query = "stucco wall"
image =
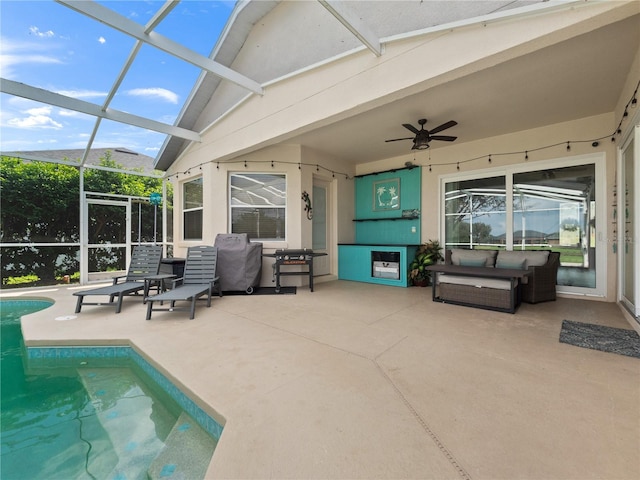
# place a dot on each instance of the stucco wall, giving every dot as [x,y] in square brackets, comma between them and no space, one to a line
[300,166]
[444,160]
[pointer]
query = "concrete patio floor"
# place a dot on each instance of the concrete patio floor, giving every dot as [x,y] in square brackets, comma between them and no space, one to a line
[360,381]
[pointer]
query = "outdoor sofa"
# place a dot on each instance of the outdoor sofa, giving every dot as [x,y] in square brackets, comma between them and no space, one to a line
[477,288]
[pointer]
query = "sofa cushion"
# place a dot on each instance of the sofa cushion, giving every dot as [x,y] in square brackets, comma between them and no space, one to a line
[478,282]
[531,258]
[473,262]
[516,264]
[489,256]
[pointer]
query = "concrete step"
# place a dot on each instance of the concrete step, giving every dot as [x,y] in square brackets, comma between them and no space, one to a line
[187,452]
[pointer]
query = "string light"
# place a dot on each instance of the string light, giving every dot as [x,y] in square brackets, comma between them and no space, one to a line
[594,142]
[272,163]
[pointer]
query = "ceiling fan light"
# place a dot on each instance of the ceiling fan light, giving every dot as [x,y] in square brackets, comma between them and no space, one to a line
[420,144]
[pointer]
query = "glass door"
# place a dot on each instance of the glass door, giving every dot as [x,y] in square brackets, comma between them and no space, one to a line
[551,205]
[627,226]
[107,225]
[320,227]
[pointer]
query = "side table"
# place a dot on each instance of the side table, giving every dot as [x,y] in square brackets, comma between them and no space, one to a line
[157,282]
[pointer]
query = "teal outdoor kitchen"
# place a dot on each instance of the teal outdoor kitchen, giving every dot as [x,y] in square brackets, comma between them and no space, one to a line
[387,228]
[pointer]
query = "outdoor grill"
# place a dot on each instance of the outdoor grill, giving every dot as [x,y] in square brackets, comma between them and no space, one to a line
[292,257]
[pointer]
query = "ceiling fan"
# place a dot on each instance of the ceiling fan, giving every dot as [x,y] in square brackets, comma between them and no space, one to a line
[423,137]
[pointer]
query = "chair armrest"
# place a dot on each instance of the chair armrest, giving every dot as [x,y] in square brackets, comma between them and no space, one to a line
[117,279]
[176,281]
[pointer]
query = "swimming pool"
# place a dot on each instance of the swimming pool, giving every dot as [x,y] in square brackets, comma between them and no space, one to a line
[93,412]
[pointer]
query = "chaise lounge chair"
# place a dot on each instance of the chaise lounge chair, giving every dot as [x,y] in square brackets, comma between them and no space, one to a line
[145,261]
[199,279]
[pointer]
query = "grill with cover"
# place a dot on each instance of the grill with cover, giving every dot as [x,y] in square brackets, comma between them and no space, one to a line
[239,262]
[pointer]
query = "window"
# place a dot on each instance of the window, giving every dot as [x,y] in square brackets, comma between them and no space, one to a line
[192,209]
[552,208]
[258,205]
[475,213]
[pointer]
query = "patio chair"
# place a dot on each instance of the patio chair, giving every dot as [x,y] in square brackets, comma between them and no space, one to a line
[199,279]
[145,261]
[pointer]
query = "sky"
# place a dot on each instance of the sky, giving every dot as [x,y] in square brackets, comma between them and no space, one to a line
[47,45]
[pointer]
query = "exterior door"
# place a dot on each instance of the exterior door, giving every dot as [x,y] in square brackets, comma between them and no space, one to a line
[320,227]
[628,229]
[107,226]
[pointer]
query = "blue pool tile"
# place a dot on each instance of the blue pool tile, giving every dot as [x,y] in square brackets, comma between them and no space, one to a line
[167,470]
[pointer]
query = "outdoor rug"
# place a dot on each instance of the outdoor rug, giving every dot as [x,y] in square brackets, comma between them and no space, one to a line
[599,337]
[265,291]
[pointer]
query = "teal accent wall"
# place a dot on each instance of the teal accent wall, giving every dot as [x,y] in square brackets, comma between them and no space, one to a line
[378,220]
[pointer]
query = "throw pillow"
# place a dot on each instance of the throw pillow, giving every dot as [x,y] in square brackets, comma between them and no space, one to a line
[510,263]
[472,262]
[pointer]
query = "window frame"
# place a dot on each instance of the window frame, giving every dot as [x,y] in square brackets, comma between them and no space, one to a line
[598,160]
[186,210]
[283,207]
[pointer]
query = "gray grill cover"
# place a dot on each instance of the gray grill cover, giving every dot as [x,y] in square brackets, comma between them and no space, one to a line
[239,262]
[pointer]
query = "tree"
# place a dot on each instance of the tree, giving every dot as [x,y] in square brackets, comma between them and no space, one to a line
[41,204]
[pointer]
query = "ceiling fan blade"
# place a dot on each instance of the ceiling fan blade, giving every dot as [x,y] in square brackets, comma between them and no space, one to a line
[444,138]
[410,127]
[397,139]
[444,126]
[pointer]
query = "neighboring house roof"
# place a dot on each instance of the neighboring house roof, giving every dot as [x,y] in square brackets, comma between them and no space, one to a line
[122,156]
[549,79]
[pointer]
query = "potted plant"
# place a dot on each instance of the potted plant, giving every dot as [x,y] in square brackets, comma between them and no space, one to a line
[427,254]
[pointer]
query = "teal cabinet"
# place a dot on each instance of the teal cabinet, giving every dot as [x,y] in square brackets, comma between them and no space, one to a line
[381,264]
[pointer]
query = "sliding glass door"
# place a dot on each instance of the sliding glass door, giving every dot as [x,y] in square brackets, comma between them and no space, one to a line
[628,230]
[553,207]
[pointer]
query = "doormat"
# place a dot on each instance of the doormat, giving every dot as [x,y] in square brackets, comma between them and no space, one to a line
[264,291]
[599,337]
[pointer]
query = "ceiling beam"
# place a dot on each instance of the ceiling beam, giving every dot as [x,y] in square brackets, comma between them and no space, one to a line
[137,31]
[50,98]
[354,24]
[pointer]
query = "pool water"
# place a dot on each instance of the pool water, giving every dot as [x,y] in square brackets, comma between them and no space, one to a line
[92,420]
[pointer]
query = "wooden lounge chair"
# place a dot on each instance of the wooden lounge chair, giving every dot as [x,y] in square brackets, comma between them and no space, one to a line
[145,261]
[199,279]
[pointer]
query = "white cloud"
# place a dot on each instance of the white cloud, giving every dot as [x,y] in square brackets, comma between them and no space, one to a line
[33,118]
[45,110]
[102,40]
[35,121]
[36,32]
[16,53]
[161,93]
